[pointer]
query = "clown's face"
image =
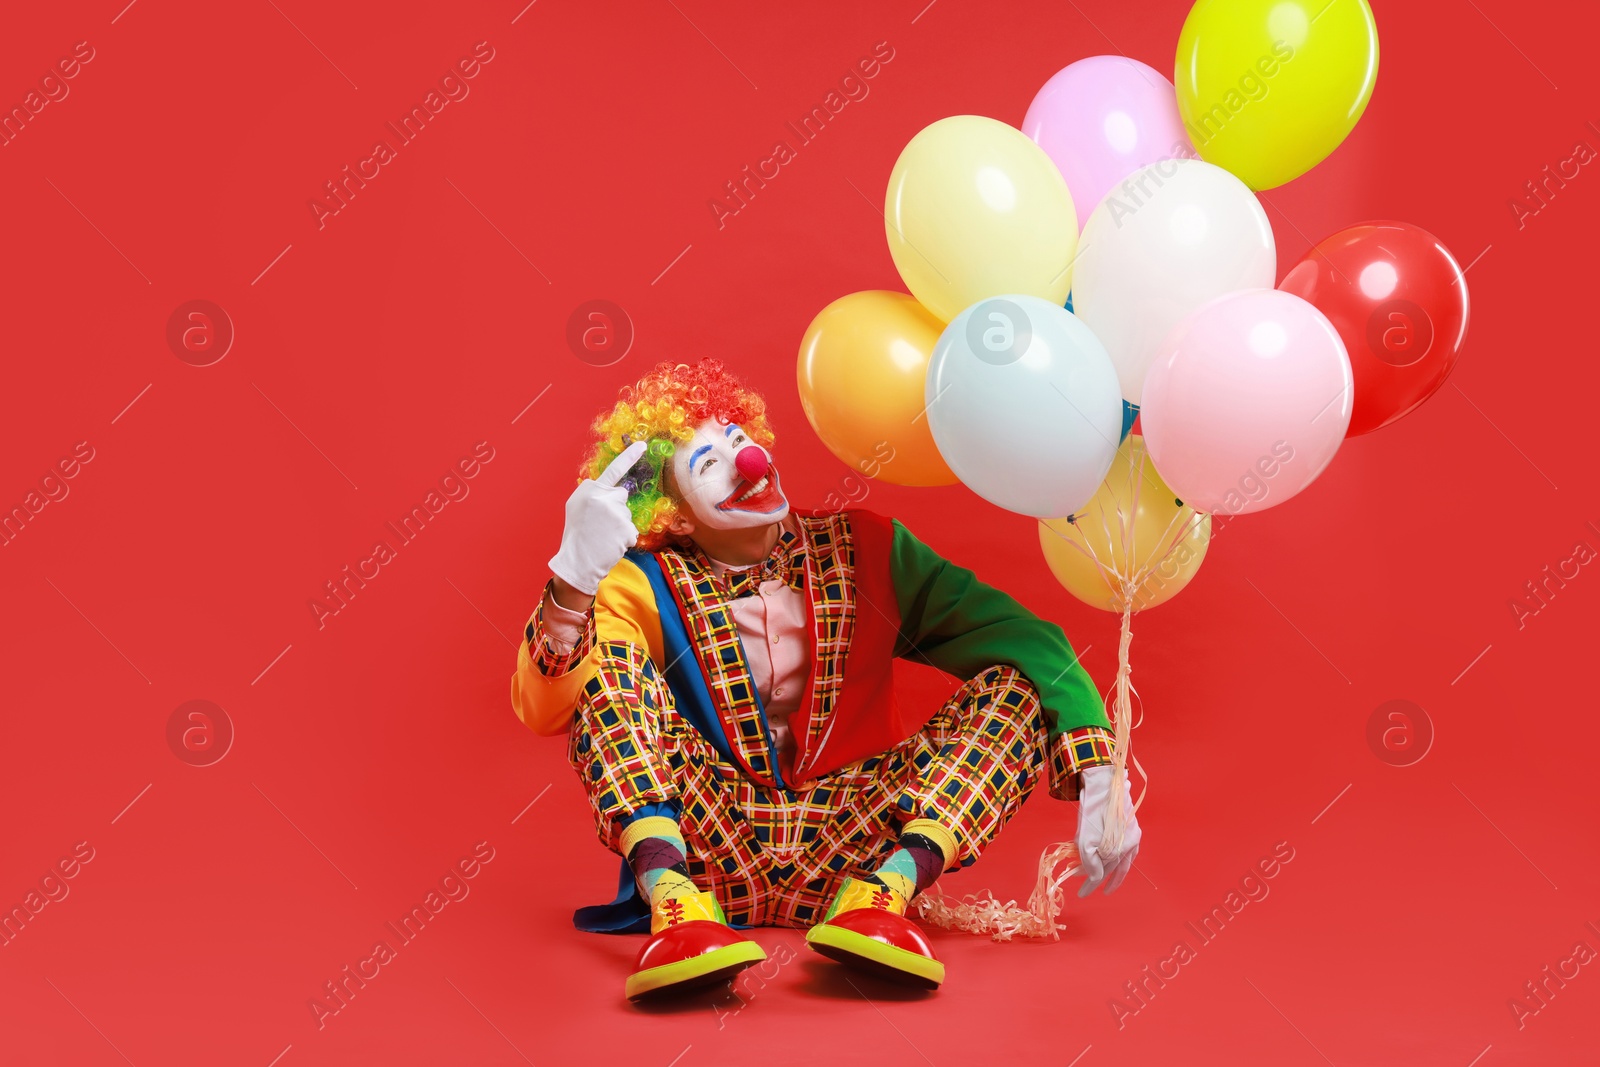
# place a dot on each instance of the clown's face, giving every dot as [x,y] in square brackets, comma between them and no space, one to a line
[725,480]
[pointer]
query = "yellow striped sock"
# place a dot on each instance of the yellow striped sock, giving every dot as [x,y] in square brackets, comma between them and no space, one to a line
[654,849]
[935,832]
[650,826]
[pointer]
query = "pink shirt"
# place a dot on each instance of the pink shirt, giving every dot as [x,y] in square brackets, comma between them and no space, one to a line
[772,627]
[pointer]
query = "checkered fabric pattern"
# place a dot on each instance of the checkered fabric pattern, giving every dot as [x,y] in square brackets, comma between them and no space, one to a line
[820,561]
[714,636]
[830,575]
[547,659]
[1071,752]
[776,857]
[785,563]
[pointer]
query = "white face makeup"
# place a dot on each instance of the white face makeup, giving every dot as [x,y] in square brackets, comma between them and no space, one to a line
[706,472]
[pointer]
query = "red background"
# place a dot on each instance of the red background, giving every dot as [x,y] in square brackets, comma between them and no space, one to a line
[377,751]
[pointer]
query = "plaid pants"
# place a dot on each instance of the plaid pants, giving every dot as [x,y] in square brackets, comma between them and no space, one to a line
[775,857]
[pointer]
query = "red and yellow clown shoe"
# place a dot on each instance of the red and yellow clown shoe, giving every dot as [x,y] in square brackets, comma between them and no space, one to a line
[866,927]
[690,946]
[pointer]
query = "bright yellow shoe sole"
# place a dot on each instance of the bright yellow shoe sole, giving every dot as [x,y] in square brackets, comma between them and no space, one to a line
[875,957]
[696,972]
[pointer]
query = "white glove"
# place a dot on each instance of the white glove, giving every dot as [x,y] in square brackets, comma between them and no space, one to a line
[599,527]
[1094,797]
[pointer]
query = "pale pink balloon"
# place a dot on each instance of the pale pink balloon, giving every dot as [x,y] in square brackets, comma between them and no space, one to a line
[1247,401]
[1103,118]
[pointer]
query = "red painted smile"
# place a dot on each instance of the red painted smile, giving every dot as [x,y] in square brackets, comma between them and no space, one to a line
[760,497]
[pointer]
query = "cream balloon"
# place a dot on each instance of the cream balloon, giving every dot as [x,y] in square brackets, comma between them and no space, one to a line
[975,209]
[1173,236]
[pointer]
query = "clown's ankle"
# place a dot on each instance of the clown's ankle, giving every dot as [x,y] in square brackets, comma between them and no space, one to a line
[925,849]
[654,849]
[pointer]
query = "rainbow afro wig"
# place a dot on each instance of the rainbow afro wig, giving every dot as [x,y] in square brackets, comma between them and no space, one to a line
[664,407]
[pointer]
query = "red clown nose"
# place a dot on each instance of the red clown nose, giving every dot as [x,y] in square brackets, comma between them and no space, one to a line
[752,463]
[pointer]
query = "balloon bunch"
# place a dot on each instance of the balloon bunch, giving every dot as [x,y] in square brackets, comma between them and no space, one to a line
[1111,260]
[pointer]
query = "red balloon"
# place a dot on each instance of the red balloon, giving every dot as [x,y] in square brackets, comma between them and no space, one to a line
[1399,300]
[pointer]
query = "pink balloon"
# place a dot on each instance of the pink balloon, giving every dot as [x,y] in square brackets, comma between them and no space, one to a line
[1103,118]
[1247,401]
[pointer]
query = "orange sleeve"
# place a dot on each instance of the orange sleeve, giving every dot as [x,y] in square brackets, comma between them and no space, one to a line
[545,687]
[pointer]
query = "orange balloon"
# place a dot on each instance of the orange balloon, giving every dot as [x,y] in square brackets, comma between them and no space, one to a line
[1134,541]
[863,366]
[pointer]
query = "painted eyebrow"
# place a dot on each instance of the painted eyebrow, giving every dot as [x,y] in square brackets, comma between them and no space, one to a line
[732,426]
[694,457]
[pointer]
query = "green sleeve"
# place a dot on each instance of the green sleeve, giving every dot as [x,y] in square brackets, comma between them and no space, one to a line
[951,620]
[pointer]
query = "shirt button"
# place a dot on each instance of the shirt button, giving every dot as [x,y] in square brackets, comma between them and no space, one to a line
[774,638]
[777,692]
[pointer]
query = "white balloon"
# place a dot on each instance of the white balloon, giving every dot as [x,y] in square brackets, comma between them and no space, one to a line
[1024,405]
[1173,236]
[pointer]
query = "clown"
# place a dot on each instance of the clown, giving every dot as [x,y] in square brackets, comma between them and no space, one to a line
[723,666]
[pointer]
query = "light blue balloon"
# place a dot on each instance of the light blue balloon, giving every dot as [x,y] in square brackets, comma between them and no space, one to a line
[1024,405]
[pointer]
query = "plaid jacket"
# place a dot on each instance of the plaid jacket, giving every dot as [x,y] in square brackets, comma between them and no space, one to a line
[875,593]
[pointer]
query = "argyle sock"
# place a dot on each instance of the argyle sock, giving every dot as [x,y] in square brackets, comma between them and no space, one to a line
[654,849]
[926,849]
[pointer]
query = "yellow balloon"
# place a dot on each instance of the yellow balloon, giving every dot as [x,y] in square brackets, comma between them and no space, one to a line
[1268,88]
[975,209]
[1133,537]
[863,366]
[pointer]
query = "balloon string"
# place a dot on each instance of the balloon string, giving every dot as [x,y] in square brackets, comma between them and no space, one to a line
[1117,814]
[1126,582]
[1139,576]
[982,913]
[1106,571]
[1150,569]
[1130,528]
[1122,585]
